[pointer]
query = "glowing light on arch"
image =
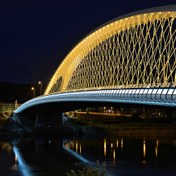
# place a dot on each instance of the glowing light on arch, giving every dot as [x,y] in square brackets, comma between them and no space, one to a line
[135,51]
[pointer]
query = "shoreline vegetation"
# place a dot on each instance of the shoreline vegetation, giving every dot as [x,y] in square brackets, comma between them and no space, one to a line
[88,171]
[104,124]
[124,125]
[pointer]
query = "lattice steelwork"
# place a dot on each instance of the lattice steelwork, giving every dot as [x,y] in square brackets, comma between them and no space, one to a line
[137,51]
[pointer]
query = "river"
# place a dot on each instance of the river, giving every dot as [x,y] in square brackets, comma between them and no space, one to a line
[117,156]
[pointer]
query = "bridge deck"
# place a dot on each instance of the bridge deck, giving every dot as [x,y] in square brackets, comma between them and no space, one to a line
[143,96]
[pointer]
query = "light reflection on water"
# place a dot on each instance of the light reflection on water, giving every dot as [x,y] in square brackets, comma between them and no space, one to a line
[69,146]
[112,146]
[123,156]
[120,156]
[20,162]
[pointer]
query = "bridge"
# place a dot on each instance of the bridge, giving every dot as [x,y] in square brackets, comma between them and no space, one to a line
[129,60]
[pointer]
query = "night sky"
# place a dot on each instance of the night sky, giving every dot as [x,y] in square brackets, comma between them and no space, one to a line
[36,35]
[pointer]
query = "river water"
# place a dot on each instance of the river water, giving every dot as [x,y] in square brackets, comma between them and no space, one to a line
[117,156]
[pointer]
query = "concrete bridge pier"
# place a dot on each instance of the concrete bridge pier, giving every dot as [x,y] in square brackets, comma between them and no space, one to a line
[50,124]
[18,124]
[146,113]
[51,120]
[42,123]
[39,122]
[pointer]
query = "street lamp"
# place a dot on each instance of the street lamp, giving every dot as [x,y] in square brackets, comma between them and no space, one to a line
[41,86]
[33,90]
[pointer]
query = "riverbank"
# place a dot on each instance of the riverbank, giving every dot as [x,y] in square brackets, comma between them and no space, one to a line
[119,125]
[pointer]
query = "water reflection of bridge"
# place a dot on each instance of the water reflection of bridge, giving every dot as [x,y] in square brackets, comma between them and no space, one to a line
[117,155]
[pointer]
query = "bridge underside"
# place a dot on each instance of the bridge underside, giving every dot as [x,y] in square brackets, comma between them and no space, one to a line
[47,110]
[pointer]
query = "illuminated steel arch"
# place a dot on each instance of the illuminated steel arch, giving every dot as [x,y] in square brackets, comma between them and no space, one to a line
[135,51]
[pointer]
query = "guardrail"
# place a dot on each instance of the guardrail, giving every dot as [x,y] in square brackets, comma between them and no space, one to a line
[165,97]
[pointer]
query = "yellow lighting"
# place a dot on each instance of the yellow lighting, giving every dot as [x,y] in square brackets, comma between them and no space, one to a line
[115,40]
[117,143]
[114,155]
[144,148]
[156,148]
[76,147]
[104,147]
[16,159]
[80,149]
[121,143]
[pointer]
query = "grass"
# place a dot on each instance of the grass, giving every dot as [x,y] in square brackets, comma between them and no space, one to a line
[88,171]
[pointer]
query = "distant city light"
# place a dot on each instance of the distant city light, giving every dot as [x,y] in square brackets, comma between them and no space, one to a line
[33,91]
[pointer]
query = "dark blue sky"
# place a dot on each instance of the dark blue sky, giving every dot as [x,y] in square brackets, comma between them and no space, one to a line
[36,35]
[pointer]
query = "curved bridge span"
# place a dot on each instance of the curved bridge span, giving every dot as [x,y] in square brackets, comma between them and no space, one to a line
[150,97]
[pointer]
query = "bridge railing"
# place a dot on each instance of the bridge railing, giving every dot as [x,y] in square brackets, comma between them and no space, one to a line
[128,86]
[154,94]
[142,96]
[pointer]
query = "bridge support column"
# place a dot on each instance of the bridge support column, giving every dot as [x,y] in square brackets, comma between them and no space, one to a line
[48,120]
[55,120]
[169,112]
[22,124]
[36,120]
[145,113]
[51,124]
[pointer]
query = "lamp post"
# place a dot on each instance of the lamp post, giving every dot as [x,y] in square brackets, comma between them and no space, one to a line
[33,91]
[41,86]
